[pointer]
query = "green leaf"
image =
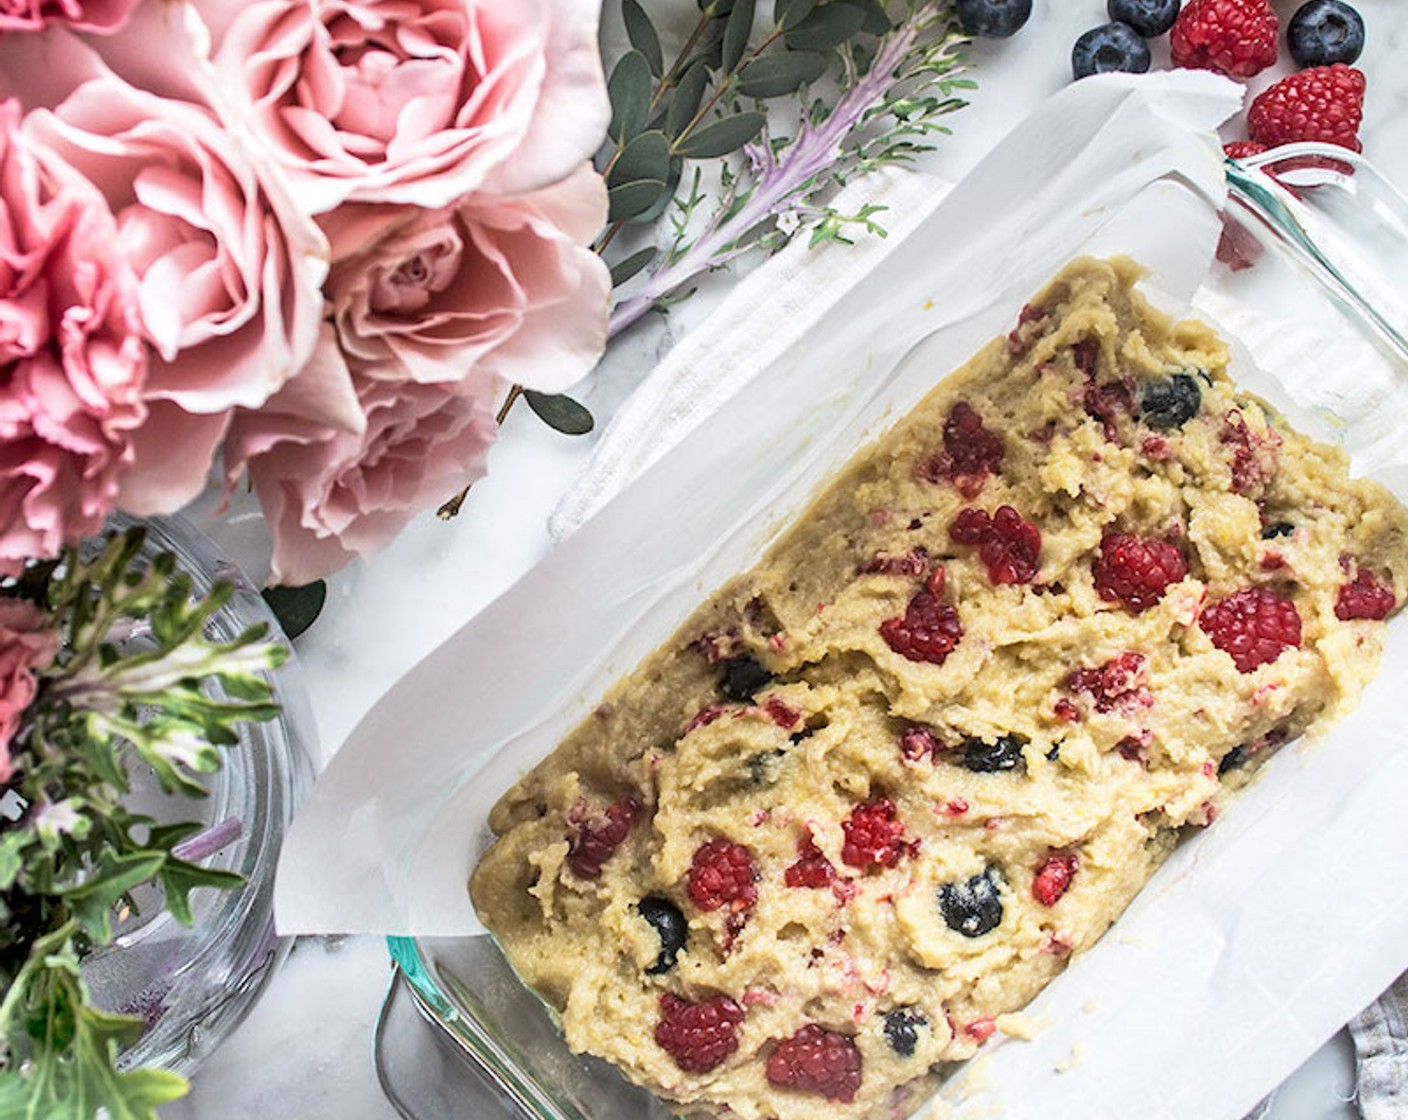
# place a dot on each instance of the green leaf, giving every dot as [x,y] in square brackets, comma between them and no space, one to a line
[685,101]
[12,843]
[825,28]
[297,608]
[722,137]
[715,8]
[178,878]
[662,202]
[736,33]
[629,90]
[621,271]
[876,20]
[559,412]
[787,14]
[641,33]
[777,74]
[630,199]
[92,901]
[645,157]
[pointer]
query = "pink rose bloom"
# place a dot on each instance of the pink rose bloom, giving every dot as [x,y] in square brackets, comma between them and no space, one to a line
[100,16]
[413,101]
[429,325]
[229,272]
[26,644]
[70,348]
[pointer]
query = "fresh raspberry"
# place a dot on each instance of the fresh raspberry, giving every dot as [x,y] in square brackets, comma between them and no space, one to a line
[929,630]
[1055,877]
[1254,626]
[723,872]
[1135,571]
[1111,682]
[1107,402]
[1254,457]
[1364,597]
[1007,544]
[1241,149]
[1237,37]
[971,452]
[812,869]
[816,1060]
[873,837]
[1324,103]
[918,741]
[598,834]
[699,1036]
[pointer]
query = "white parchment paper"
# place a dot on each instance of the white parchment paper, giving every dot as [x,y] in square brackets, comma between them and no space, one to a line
[1250,947]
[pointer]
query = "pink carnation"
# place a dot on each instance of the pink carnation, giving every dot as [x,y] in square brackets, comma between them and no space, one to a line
[26,644]
[71,351]
[100,16]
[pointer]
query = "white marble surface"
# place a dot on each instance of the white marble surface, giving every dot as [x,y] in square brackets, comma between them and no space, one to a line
[306,1051]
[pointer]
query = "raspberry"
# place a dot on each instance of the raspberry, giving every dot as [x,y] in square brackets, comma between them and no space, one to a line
[812,869]
[1055,877]
[1324,103]
[915,562]
[1253,626]
[1111,682]
[971,452]
[917,741]
[929,630]
[723,872]
[873,837]
[598,835]
[1241,149]
[816,1060]
[1007,544]
[1237,37]
[1365,597]
[699,1036]
[1135,571]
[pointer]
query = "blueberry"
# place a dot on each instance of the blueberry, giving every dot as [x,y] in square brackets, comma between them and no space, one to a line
[902,1030]
[988,758]
[1324,32]
[1277,529]
[972,908]
[1170,403]
[742,678]
[1232,759]
[993,19]
[669,923]
[762,767]
[1111,46]
[1151,18]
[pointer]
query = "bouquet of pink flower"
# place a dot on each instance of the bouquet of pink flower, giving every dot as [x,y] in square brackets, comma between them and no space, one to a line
[306,243]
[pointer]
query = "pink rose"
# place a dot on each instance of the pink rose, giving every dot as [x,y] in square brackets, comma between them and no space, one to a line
[70,348]
[229,271]
[414,101]
[26,644]
[100,16]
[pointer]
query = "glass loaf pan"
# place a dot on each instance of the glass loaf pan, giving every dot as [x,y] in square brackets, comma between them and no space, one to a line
[1309,271]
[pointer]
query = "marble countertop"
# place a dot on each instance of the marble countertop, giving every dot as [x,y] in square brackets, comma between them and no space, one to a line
[305,1053]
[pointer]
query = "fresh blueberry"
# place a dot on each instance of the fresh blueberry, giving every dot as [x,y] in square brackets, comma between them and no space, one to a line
[742,678]
[988,758]
[1277,529]
[902,1030]
[1151,18]
[1109,47]
[1324,32]
[993,19]
[669,923]
[1232,759]
[1170,403]
[972,908]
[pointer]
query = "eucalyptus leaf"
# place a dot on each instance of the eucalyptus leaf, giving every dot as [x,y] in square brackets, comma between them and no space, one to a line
[629,89]
[630,199]
[825,28]
[736,33]
[877,20]
[647,156]
[722,137]
[787,14]
[559,412]
[642,35]
[621,271]
[659,206]
[685,100]
[777,74]
[715,8]
[297,608]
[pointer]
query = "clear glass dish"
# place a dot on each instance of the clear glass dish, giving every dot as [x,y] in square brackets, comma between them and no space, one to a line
[1312,233]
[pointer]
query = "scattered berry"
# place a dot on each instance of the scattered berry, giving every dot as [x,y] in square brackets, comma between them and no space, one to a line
[980,1030]
[988,758]
[742,678]
[1111,682]
[993,19]
[974,907]
[874,838]
[1170,403]
[1364,597]
[902,1030]
[1109,47]
[1324,103]
[668,922]
[1253,626]
[1151,18]
[812,869]
[915,562]
[598,834]
[816,1060]
[918,742]
[971,452]
[1232,760]
[1254,457]
[1277,529]
[1007,545]
[1055,877]
[1324,32]
[1135,571]
[929,630]
[1242,149]
[723,872]
[699,1036]
[1236,37]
